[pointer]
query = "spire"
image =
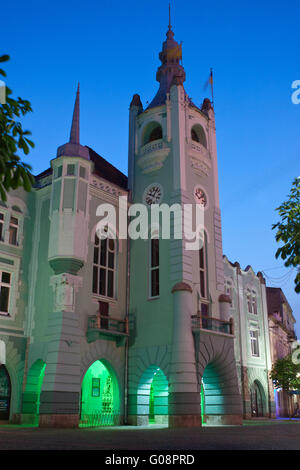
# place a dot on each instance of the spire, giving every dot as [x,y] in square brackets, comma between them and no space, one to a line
[75,132]
[73,147]
[171,71]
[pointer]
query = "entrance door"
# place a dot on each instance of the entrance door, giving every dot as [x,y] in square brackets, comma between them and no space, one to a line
[5,393]
[256,401]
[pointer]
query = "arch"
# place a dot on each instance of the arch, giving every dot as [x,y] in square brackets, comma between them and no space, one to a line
[32,393]
[198,135]
[152,132]
[258,400]
[100,396]
[152,396]
[218,381]
[5,393]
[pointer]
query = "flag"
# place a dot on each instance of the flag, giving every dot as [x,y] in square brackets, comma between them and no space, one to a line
[175,52]
[210,80]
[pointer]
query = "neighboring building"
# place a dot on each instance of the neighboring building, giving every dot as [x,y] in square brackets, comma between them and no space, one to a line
[106,332]
[248,308]
[282,335]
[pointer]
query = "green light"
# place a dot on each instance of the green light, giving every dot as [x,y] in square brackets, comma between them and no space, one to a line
[99,396]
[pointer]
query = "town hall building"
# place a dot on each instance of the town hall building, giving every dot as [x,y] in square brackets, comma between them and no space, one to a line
[112,331]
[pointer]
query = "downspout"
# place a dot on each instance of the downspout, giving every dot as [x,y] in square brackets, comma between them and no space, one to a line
[127,320]
[240,341]
[262,309]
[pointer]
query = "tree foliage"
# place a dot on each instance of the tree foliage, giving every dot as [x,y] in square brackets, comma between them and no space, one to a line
[288,231]
[284,374]
[13,172]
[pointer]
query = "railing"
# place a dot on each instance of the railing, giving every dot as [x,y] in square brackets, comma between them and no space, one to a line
[95,418]
[103,322]
[152,147]
[213,324]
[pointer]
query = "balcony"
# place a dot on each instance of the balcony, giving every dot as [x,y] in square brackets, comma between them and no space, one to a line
[106,327]
[203,322]
[153,155]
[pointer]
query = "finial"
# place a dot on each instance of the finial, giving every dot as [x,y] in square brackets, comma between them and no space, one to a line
[170,26]
[74,135]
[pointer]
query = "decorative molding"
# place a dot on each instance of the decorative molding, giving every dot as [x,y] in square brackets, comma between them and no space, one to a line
[65,286]
[200,159]
[152,156]
[106,187]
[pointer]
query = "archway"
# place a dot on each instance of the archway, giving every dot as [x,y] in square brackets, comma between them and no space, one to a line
[152,399]
[258,406]
[212,395]
[31,396]
[5,393]
[100,397]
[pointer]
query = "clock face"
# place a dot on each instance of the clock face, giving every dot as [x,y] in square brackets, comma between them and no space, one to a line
[200,196]
[153,194]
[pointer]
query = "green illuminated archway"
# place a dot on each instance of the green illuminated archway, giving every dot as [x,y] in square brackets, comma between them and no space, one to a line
[152,398]
[212,396]
[31,396]
[100,397]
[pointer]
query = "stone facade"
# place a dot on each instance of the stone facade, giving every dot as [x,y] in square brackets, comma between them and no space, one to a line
[96,333]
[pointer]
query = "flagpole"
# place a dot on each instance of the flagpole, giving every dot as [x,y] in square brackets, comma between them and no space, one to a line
[212,86]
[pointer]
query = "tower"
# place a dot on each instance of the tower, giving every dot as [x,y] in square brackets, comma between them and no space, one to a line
[173,291]
[67,253]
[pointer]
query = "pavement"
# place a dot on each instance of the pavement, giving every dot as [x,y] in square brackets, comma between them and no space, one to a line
[253,435]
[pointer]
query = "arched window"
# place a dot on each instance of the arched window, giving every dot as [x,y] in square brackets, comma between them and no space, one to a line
[104,267]
[198,135]
[251,301]
[152,132]
[154,267]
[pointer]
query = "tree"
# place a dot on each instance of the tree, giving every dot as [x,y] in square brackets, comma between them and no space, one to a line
[13,172]
[288,231]
[286,374]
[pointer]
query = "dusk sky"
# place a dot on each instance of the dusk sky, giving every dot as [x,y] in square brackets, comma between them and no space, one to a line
[112,48]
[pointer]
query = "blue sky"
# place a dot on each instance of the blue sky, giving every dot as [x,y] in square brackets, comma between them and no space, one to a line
[112,49]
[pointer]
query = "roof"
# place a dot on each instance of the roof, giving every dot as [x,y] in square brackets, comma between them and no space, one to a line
[106,170]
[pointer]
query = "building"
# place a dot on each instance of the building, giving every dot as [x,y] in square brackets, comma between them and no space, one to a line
[97,332]
[282,335]
[248,308]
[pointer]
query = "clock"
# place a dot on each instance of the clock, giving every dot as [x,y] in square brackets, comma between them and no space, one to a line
[153,194]
[200,196]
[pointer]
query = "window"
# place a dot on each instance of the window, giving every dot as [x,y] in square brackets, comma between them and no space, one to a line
[5,285]
[58,171]
[1,226]
[152,132]
[154,267]
[82,172]
[254,342]
[71,170]
[229,291]
[104,267]
[95,387]
[155,134]
[202,269]
[251,302]
[198,135]
[13,231]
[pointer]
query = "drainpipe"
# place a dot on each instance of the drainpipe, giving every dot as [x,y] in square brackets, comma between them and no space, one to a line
[261,279]
[240,340]
[127,319]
